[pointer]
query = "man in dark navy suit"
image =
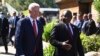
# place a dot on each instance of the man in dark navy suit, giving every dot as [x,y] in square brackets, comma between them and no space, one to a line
[4,31]
[65,38]
[28,36]
[91,25]
[12,26]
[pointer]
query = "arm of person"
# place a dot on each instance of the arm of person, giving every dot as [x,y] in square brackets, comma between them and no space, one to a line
[66,46]
[7,26]
[53,38]
[79,45]
[40,41]
[18,38]
[57,43]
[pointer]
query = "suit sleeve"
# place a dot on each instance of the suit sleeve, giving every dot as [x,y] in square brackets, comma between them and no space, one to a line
[93,27]
[53,39]
[79,45]
[7,26]
[40,42]
[18,38]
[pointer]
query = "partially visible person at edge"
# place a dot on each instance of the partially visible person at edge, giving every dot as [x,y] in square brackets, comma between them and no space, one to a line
[4,30]
[28,36]
[12,26]
[42,19]
[65,38]
[85,25]
[91,25]
[79,22]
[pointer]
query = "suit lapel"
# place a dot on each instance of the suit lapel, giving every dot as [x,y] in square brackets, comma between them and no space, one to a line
[72,28]
[30,26]
[38,26]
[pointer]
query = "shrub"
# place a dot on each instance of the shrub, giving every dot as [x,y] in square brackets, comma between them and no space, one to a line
[90,43]
[46,36]
[49,51]
[48,28]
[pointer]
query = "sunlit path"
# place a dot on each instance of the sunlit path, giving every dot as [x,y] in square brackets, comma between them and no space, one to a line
[11,51]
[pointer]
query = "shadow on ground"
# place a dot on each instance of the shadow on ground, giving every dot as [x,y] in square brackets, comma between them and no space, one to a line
[7,53]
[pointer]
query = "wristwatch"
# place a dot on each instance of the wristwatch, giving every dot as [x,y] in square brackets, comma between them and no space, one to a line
[63,43]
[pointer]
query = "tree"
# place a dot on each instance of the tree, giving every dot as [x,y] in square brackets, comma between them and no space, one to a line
[23,4]
[97,7]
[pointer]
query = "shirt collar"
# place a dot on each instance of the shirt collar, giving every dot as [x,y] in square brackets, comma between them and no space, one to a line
[69,24]
[31,19]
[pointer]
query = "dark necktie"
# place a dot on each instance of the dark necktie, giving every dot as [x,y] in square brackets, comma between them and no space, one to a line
[70,34]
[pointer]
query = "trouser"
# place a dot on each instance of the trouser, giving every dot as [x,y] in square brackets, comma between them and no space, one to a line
[12,33]
[4,39]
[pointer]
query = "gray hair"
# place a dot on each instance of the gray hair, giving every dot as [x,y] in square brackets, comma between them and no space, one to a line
[32,5]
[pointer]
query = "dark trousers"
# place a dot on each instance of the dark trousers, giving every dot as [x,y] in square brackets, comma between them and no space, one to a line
[4,39]
[12,33]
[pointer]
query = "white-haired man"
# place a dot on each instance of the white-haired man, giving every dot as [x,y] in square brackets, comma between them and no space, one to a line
[28,36]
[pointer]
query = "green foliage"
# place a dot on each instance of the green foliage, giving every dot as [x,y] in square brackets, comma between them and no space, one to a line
[90,43]
[49,51]
[48,28]
[50,3]
[23,4]
[97,7]
[26,13]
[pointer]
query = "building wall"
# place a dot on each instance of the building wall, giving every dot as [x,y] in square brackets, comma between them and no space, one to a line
[76,9]
[68,4]
[73,9]
[85,0]
[73,5]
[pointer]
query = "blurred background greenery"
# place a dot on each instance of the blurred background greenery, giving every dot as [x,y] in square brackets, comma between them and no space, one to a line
[21,5]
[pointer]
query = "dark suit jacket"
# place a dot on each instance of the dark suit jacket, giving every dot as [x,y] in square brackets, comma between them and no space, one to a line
[16,20]
[11,21]
[60,34]
[4,27]
[0,26]
[91,27]
[42,21]
[25,40]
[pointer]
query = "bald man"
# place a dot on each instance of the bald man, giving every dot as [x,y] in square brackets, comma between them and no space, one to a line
[65,38]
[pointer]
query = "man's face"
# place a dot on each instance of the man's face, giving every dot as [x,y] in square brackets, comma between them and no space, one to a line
[85,17]
[90,17]
[35,12]
[67,19]
[14,14]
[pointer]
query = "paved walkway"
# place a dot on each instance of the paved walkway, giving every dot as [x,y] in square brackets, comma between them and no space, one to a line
[11,51]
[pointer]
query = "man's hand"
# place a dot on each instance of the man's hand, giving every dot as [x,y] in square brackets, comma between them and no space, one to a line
[66,46]
[11,26]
